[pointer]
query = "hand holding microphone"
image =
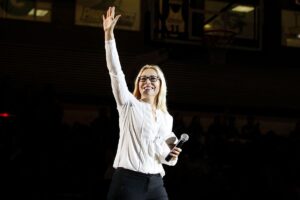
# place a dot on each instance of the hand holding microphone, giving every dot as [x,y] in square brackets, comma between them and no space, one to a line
[175,151]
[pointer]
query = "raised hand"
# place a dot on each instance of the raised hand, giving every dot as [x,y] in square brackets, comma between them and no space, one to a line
[109,21]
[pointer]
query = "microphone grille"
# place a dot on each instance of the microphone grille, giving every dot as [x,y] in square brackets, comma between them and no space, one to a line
[184,137]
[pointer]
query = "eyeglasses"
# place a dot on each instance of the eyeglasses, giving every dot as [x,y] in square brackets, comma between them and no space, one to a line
[151,78]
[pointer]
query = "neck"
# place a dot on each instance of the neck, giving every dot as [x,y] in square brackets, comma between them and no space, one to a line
[151,101]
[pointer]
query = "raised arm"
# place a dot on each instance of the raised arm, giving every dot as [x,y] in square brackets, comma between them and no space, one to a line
[119,86]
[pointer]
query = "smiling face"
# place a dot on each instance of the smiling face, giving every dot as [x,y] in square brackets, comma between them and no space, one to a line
[149,84]
[154,92]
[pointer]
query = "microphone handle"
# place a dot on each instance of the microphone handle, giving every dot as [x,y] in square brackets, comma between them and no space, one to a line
[179,145]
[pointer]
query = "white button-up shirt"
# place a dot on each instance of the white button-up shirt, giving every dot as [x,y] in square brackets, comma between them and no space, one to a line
[142,143]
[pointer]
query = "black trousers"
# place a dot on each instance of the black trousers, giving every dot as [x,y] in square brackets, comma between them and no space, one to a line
[130,185]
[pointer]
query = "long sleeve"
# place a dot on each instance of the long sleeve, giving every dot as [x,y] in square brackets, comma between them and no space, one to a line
[162,146]
[165,138]
[118,82]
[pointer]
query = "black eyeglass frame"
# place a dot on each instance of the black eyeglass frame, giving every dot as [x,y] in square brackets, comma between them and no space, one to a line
[151,78]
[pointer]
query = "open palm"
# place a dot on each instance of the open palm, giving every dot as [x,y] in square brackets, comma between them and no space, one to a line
[109,21]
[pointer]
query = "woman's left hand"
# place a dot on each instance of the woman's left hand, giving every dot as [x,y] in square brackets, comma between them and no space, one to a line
[175,152]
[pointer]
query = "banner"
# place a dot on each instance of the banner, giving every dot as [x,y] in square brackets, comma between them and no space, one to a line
[89,13]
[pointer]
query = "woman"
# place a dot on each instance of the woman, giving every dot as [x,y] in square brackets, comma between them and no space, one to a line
[146,136]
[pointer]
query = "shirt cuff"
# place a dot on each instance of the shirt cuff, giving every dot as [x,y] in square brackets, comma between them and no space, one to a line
[109,41]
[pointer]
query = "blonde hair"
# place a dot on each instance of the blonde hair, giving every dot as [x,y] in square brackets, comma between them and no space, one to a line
[161,98]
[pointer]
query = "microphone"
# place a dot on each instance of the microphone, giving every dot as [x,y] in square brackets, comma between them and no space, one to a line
[183,138]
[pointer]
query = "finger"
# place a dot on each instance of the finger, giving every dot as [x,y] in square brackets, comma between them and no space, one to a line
[177,149]
[113,12]
[173,154]
[117,18]
[103,18]
[108,12]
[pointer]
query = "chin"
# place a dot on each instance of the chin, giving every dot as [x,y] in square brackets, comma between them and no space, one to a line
[147,95]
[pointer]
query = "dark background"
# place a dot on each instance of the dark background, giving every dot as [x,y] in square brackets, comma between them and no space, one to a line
[44,67]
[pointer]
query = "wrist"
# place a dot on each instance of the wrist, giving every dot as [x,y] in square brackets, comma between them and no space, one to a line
[108,35]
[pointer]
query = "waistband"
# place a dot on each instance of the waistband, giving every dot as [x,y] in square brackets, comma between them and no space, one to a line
[135,173]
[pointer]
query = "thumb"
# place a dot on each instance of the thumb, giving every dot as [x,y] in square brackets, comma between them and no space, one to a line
[116,19]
